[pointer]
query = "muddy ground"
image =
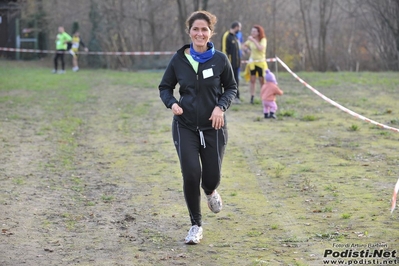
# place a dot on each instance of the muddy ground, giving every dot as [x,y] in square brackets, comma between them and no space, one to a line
[89,174]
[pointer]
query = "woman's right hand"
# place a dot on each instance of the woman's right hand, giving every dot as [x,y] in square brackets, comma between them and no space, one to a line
[176,109]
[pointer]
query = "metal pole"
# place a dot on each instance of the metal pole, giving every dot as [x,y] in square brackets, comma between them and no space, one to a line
[18,38]
[35,34]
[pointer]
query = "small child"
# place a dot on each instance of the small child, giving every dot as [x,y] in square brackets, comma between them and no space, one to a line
[268,94]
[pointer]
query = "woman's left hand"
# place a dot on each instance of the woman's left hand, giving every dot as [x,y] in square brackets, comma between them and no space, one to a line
[217,118]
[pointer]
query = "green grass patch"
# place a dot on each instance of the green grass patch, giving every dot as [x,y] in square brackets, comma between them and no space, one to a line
[287,113]
[354,127]
[309,118]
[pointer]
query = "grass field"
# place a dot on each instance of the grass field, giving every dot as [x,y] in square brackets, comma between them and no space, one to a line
[89,174]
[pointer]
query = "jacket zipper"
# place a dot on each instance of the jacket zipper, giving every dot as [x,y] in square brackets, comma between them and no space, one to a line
[196,86]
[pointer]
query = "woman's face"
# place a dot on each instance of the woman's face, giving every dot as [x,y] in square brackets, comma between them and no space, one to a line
[200,33]
[254,32]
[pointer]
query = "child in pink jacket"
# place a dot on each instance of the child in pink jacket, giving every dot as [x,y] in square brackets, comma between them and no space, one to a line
[268,95]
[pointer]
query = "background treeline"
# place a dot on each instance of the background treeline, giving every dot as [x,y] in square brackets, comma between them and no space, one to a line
[314,35]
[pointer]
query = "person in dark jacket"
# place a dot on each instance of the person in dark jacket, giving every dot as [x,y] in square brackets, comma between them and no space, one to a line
[207,87]
[231,47]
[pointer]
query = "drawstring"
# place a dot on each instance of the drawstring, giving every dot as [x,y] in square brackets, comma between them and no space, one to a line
[202,139]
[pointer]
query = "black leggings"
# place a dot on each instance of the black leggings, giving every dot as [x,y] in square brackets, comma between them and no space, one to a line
[59,54]
[200,164]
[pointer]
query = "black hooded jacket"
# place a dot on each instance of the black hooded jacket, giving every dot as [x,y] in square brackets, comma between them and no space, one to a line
[213,85]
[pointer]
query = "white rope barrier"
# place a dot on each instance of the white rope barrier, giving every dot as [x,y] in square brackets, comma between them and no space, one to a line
[396,188]
[89,53]
[335,103]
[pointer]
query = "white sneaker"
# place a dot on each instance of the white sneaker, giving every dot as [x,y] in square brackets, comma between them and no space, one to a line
[194,235]
[61,72]
[215,203]
[54,71]
[75,69]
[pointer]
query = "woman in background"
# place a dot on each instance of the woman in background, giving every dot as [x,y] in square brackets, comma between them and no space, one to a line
[257,65]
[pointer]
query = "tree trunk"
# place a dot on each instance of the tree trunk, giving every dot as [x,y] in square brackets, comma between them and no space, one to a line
[304,8]
[325,11]
[196,5]
[181,4]
[204,4]
[274,44]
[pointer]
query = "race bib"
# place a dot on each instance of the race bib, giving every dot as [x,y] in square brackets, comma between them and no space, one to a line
[207,73]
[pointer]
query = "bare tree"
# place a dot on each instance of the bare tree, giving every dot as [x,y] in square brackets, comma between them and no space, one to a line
[319,60]
[384,29]
[347,29]
[181,4]
[307,34]
[196,4]
[305,7]
[325,8]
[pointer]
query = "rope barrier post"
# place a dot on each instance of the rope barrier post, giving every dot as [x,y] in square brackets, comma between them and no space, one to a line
[18,38]
[36,37]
